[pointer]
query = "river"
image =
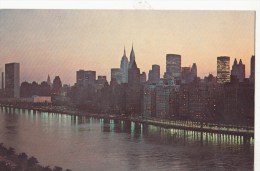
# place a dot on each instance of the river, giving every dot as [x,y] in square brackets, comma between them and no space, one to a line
[84,143]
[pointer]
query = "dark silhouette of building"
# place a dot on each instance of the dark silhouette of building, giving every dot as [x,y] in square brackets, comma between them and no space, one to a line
[238,71]
[49,80]
[133,103]
[186,74]
[3,88]
[238,103]
[85,78]
[12,80]
[143,78]
[173,67]
[57,86]
[223,69]
[252,69]
[193,72]
[154,75]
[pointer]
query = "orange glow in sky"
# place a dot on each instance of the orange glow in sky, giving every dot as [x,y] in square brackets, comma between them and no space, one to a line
[60,42]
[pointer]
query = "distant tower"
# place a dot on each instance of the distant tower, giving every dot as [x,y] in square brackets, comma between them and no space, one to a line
[3,89]
[116,75]
[12,80]
[57,86]
[132,58]
[223,69]
[124,68]
[173,67]
[252,69]
[49,81]
[193,71]
[156,73]
[143,78]
[238,71]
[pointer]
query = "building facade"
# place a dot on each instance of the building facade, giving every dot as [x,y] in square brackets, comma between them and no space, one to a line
[85,78]
[173,67]
[223,69]
[238,70]
[12,80]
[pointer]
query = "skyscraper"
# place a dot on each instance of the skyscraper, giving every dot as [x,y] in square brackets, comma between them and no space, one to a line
[85,78]
[133,103]
[116,74]
[3,89]
[57,86]
[173,67]
[124,68]
[193,71]
[238,70]
[49,80]
[12,80]
[223,69]
[186,74]
[156,73]
[252,69]
[132,58]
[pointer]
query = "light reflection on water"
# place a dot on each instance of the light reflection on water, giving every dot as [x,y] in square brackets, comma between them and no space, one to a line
[82,143]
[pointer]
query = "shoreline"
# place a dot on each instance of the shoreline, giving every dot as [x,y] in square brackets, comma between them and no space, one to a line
[247,132]
[10,160]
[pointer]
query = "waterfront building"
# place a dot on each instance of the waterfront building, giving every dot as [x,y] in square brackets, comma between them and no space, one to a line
[124,68]
[173,67]
[163,91]
[12,80]
[238,103]
[223,69]
[85,78]
[149,101]
[197,101]
[238,71]
[116,74]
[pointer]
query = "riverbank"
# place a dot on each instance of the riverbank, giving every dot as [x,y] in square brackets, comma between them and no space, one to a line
[246,131]
[10,161]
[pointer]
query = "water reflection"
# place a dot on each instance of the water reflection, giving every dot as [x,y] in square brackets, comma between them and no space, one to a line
[79,142]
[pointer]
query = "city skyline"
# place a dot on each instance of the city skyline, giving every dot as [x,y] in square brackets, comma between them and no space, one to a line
[45,41]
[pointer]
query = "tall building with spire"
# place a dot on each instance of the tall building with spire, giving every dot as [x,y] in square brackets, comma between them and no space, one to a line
[49,80]
[124,68]
[133,100]
[132,57]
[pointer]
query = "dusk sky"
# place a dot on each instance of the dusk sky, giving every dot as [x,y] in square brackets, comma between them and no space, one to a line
[60,42]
